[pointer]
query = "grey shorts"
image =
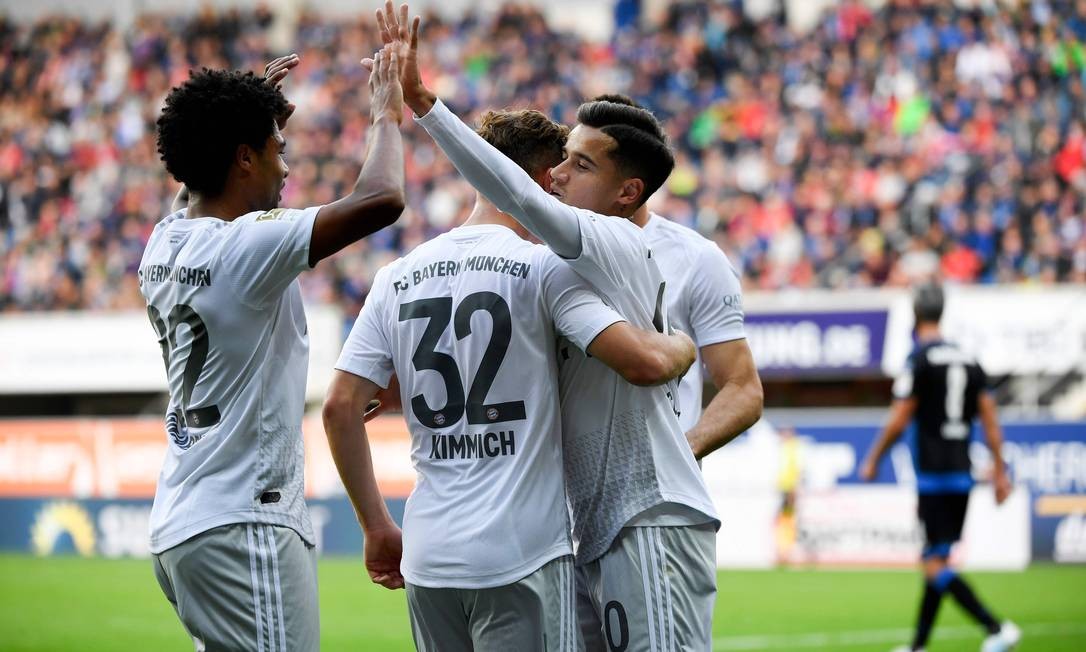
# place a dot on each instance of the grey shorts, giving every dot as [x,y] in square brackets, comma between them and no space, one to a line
[535,613]
[653,590]
[246,586]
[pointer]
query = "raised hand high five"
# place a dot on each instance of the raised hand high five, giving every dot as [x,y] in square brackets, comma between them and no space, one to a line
[386,94]
[396,33]
[274,73]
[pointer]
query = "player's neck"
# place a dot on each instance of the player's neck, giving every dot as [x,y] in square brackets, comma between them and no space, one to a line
[486,213]
[928,332]
[641,216]
[227,206]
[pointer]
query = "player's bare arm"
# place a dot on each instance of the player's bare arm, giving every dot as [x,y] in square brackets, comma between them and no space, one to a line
[643,357]
[738,402]
[378,196]
[501,181]
[274,74]
[901,413]
[993,435]
[347,398]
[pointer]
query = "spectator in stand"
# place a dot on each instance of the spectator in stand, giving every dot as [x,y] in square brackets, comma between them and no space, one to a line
[881,147]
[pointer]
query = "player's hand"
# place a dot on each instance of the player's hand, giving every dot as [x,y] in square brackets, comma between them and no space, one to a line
[867,471]
[383,550]
[386,93]
[396,32]
[387,400]
[274,74]
[1002,485]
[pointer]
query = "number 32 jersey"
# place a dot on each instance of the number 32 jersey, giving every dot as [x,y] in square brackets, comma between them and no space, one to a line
[469,322]
[224,302]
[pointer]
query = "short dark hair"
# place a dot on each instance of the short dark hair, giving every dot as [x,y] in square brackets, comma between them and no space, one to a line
[642,150]
[529,138]
[206,118]
[618,98]
[928,303]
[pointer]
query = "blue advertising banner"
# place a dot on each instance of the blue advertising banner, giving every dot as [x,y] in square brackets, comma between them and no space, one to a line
[119,528]
[817,343]
[1047,459]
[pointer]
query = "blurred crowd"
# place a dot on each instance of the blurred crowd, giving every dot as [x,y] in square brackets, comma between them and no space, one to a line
[881,147]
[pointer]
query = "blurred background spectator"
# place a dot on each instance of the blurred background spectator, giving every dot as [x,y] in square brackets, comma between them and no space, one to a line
[877,148]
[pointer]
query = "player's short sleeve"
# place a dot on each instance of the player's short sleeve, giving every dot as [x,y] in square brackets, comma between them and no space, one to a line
[715,299]
[610,248]
[577,311]
[982,378]
[267,252]
[367,353]
[905,383]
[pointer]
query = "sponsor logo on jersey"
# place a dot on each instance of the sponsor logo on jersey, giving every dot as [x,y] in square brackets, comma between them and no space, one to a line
[472,445]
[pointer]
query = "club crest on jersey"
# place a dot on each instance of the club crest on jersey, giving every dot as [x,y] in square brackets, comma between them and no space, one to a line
[273,214]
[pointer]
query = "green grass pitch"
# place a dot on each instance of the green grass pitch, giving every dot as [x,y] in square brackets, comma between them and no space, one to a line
[67,603]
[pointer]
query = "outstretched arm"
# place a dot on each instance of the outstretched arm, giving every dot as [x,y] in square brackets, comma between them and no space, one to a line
[378,196]
[500,180]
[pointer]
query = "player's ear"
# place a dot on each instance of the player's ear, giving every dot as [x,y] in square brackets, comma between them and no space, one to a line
[245,158]
[630,193]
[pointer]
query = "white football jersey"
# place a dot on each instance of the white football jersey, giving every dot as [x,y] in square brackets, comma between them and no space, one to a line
[704,298]
[627,460]
[224,302]
[650,476]
[469,322]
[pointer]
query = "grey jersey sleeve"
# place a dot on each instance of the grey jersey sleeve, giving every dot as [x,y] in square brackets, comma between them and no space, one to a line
[267,252]
[504,183]
[578,313]
[367,353]
[716,299]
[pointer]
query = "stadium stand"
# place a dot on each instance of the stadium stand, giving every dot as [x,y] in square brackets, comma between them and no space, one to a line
[875,149]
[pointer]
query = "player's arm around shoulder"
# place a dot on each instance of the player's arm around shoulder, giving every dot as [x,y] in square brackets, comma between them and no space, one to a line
[641,357]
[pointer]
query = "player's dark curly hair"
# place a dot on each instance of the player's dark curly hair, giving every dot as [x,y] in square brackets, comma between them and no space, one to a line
[207,118]
[530,139]
[642,151]
[617,98]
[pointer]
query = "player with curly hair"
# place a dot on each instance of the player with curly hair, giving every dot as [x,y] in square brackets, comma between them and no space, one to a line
[230,533]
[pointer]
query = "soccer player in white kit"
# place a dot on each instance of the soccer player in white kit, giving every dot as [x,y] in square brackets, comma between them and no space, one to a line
[705,300]
[469,324]
[231,538]
[644,527]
